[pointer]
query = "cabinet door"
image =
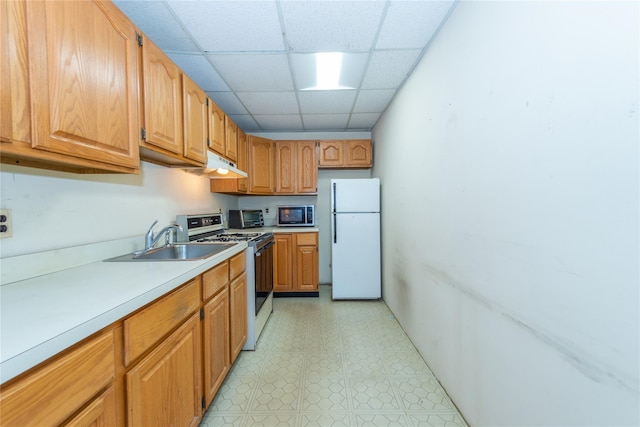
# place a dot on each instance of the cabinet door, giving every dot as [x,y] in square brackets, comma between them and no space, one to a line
[100,413]
[216,343]
[84,81]
[164,388]
[358,153]
[195,121]
[231,139]
[59,388]
[307,268]
[243,160]
[307,167]
[238,315]
[261,159]
[331,153]
[162,99]
[216,128]
[283,263]
[15,120]
[285,167]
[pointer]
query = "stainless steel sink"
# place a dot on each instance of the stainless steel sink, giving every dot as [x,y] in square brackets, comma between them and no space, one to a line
[175,252]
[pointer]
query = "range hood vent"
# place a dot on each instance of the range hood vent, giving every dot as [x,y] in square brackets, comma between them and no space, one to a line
[217,167]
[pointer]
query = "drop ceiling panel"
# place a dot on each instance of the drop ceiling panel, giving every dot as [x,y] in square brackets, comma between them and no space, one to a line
[245,122]
[325,121]
[410,24]
[327,101]
[248,55]
[156,21]
[326,26]
[363,120]
[254,73]
[200,71]
[270,102]
[373,101]
[229,102]
[388,69]
[232,26]
[287,123]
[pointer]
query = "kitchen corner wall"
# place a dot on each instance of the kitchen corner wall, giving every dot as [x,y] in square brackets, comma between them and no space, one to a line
[53,210]
[510,186]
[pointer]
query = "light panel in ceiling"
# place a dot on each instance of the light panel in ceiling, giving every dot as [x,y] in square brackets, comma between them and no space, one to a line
[249,56]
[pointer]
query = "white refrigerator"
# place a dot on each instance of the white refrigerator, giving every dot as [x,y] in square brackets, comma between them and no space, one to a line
[355,237]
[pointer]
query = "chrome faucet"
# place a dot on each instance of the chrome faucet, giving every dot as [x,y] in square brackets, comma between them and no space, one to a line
[150,240]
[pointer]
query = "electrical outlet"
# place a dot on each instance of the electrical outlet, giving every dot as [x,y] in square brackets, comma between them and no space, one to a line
[6,229]
[266,210]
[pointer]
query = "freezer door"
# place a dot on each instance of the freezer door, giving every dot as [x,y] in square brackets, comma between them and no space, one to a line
[355,195]
[355,256]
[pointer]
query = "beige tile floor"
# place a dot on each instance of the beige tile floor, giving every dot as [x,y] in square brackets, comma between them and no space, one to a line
[331,363]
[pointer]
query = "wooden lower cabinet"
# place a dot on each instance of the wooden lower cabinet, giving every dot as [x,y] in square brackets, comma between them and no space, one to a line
[159,366]
[216,352]
[238,314]
[283,263]
[100,413]
[57,389]
[295,265]
[164,388]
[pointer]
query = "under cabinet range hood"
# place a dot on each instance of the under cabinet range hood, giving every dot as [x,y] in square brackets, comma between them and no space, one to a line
[216,167]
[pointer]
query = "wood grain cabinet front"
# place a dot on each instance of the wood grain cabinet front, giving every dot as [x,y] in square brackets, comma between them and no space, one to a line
[145,329]
[164,388]
[295,262]
[69,77]
[52,393]
[348,154]
[296,167]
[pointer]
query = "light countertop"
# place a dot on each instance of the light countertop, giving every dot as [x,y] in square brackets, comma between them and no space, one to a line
[43,315]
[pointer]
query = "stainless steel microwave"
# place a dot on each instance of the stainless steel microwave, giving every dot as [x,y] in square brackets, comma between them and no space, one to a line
[296,216]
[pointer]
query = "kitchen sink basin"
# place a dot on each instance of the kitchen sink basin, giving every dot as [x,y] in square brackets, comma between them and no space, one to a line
[175,252]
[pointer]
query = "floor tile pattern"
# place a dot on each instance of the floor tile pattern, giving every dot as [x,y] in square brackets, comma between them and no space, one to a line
[331,363]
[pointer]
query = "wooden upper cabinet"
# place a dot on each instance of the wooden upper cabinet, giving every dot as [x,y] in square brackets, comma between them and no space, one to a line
[83,74]
[358,153]
[162,99]
[285,166]
[216,128]
[15,120]
[195,121]
[296,167]
[353,153]
[261,165]
[331,154]
[306,165]
[231,139]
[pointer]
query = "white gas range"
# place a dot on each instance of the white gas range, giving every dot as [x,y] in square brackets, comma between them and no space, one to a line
[208,228]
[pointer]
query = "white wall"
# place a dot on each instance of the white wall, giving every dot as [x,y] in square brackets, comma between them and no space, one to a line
[53,210]
[322,201]
[515,145]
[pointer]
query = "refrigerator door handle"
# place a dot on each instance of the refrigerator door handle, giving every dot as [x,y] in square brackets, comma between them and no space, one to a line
[334,197]
[335,229]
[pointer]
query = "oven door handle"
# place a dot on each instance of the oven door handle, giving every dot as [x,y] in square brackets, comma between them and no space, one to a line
[264,248]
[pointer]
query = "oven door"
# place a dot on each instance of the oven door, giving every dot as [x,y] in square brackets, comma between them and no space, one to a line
[263,260]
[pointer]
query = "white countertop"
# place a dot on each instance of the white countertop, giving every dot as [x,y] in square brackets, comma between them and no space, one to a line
[274,229]
[43,315]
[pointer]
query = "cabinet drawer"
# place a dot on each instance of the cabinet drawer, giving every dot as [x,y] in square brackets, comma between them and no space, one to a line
[306,239]
[55,391]
[144,329]
[237,265]
[214,280]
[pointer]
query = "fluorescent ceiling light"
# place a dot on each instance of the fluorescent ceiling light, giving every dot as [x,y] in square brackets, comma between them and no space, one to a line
[328,66]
